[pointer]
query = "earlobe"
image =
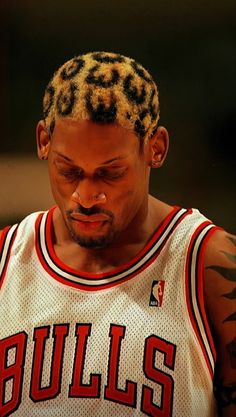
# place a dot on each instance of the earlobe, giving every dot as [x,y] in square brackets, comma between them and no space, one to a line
[43,140]
[159,144]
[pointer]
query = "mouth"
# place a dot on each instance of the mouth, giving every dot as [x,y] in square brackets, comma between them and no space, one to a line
[89,223]
[89,226]
[94,218]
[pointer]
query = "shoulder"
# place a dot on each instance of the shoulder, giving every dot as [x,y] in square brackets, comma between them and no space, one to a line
[219,263]
[220,242]
[220,274]
[19,232]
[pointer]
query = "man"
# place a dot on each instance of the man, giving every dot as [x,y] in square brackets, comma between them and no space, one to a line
[82,332]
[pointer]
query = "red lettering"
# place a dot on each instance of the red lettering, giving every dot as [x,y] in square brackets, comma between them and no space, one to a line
[37,393]
[154,344]
[12,372]
[112,392]
[78,388]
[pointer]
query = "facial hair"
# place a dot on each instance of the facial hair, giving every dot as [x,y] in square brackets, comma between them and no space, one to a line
[91,242]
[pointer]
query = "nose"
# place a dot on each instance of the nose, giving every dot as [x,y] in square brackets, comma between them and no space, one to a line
[87,195]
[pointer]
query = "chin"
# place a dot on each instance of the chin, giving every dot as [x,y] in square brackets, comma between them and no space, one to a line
[92,242]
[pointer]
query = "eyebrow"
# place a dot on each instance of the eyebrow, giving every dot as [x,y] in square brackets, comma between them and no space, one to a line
[109,161]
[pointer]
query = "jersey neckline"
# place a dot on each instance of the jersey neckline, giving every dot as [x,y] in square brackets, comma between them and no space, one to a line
[88,281]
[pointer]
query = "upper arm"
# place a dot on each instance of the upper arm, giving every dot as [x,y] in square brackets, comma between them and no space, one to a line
[220,295]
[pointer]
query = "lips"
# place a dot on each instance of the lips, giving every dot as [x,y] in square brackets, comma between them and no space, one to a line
[90,224]
[93,218]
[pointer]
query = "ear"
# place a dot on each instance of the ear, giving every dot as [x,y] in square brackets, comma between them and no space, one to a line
[159,145]
[43,140]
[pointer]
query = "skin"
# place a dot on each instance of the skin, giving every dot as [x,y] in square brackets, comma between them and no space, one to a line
[136,215]
[78,155]
[113,165]
[219,279]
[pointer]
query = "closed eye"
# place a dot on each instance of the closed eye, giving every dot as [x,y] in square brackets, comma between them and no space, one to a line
[111,174]
[70,175]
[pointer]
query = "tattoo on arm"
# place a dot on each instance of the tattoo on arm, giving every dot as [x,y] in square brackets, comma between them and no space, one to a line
[232,239]
[232,317]
[231,348]
[225,395]
[227,273]
[230,275]
[230,295]
[231,257]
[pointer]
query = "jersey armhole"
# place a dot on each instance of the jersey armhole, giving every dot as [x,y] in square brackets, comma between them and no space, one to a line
[195,292]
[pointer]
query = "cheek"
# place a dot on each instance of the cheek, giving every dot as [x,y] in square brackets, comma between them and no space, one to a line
[60,190]
[132,190]
[127,202]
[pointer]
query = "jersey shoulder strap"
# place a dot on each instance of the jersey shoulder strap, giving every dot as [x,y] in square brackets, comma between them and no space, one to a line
[14,238]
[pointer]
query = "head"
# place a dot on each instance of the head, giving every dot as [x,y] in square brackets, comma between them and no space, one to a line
[100,135]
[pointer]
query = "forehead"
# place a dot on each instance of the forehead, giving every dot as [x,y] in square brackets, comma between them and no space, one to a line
[86,139]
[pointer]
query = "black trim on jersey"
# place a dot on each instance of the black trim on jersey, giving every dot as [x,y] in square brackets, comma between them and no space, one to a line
[15,345]
[197,289]
[127,382]
[97,376]
[125,272]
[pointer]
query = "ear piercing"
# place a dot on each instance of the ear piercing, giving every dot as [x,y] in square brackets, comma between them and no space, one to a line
[155,164]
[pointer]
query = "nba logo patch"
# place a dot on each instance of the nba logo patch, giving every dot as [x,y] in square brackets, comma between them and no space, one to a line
[157,293]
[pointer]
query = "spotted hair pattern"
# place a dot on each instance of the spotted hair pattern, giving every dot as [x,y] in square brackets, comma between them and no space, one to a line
[104,87]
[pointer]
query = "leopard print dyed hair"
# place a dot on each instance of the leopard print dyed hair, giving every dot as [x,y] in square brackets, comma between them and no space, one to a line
[106,88]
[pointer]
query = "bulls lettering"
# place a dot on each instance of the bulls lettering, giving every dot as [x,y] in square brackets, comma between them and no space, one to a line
[153,346]
[41,334]
[112,392]
[51,353]
[78,388]
[12,372]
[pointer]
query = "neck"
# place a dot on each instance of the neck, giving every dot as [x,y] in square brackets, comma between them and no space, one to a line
[129,243]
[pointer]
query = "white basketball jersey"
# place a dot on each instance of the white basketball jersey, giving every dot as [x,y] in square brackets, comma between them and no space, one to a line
[134,341]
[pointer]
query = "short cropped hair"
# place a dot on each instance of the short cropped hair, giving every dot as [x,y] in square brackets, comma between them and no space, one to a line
[103,87]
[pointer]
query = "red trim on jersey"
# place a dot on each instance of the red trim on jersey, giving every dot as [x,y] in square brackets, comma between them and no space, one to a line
[94,287]
[4,235]
[200,274]
[106,275]
[200,293]
[115,271]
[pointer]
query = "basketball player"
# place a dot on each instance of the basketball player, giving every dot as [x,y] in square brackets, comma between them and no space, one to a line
[80,333]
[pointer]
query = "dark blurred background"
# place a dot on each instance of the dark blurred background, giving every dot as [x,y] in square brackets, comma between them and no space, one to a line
[189,48]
